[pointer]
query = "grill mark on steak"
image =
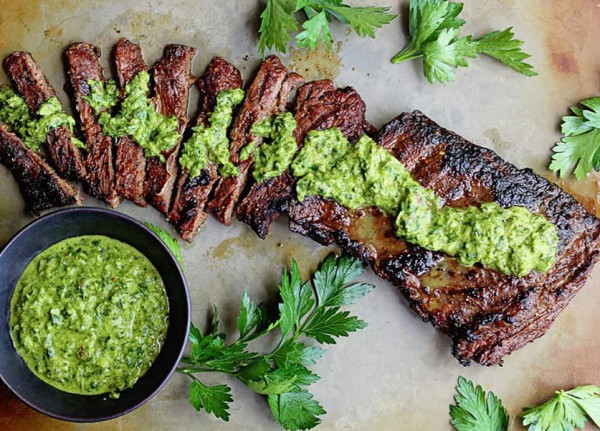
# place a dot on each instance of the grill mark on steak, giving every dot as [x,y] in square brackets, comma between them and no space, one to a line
[268,94]
[487,314]
[189,206]
[319,106]
[41,187]
[130,163]
[82,60]
[35,88]
[172,81]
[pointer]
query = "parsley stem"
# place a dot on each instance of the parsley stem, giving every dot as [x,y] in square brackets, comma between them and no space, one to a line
[406,55]
[191,370]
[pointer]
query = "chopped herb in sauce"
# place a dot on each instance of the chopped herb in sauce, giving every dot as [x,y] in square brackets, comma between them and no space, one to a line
[33,129]
[275,155]
[211,143]
[510,240]
[89,315]
[136,117]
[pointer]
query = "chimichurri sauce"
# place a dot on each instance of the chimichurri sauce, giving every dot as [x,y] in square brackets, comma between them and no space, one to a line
[89,315]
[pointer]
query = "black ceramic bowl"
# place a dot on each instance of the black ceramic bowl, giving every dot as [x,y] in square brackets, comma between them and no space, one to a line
[41,234]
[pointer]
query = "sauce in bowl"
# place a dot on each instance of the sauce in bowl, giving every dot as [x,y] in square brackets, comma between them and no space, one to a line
[89,315]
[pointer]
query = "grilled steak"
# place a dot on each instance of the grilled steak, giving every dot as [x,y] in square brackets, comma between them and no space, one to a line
[35,89]
[267,95]
[82,60]
[41,187]
[487,314]
[172,81]
[319,106]
[130,163]
[188,212]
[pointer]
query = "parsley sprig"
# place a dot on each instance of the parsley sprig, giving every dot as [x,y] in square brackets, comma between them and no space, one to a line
[580,147]
[476,410]
[308,310]
[280,18]
[434,28]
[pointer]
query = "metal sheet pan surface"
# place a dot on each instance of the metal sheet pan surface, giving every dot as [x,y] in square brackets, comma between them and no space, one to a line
[398,374]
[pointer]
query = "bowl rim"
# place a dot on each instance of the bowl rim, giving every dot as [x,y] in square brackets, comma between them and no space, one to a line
[111,213]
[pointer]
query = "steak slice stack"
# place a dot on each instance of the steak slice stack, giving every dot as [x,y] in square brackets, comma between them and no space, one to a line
[172,81]
[267,95]
[41,187]
[487,314]
[319,106]
[130,163]
[82,59]
[35,90]
[189,206]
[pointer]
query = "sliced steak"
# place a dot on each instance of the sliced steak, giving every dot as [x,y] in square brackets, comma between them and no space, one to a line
[41,187]
[319,106]
[268,94]
[130,163]
[487,314]
[172,81]
[82,60]
[188,212]
[35,89]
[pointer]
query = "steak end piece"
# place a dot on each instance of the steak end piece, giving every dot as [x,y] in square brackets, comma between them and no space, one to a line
[41,187]
[82,60]
[130,163]
[268,94]
[487,314]
[319,106]
[33,86]
[189,206]
[172,81]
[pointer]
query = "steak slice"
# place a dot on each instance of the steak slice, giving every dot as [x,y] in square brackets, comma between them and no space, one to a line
[82,60]
[319,106]
[487,314]
[41,187]
[188,212]
[172,82]
[35,89]
[130,163]
[268,94]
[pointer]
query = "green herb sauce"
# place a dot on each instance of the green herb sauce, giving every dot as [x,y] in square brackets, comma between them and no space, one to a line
[211,143]
[89,315]
[33,129]
[137,116]
[510,240]
[275,155]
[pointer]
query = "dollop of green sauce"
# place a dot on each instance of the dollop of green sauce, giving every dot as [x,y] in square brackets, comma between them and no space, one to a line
[33,129]
[275,155]
[137,116]
[89,315]
[211,142]
[510,240]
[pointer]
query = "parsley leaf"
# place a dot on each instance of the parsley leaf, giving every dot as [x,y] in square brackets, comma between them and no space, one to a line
[566,411]
[580,147]
[296,410]
[279,19]
[171,243]
[213,399]
[477,411]
[434,28]
[308,309]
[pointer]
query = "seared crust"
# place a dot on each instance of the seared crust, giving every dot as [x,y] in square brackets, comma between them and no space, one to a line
[189,206]
[487,314]
[319,106]
[82,60]
[130,163]
[35,89]
[41,187]
[172,81]
[268,94]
